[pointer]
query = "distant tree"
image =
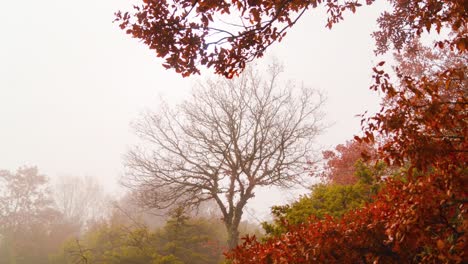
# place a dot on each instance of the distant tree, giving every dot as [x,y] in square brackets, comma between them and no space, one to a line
[418,60]
[340,163]
[192,240]
[181,240]
[27,217]
[80,199]
[111,243]
[128,210]
[231,137]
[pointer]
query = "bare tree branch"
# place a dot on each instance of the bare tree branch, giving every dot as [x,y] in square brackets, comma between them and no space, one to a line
[229,138]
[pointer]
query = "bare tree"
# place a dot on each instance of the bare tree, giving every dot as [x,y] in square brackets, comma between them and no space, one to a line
[80,199]
[229,138]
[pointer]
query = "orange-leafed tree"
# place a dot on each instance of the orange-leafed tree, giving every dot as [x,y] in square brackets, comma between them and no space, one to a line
[419,216]
[225,35]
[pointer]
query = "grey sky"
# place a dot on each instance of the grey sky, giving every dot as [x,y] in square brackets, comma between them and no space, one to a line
[71,82]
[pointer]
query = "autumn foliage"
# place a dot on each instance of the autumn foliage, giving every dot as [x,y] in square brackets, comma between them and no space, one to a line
[409,223]
[225,35]
[419,216]
[340,162]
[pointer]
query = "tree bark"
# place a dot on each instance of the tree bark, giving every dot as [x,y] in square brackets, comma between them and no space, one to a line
[233,235]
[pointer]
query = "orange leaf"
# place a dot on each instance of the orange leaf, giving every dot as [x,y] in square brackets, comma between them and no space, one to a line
[440,244]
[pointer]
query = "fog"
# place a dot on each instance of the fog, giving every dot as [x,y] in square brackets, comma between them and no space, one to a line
[71,82]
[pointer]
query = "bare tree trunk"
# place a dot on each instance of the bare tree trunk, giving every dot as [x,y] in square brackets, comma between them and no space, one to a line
[232,225]
[233,236]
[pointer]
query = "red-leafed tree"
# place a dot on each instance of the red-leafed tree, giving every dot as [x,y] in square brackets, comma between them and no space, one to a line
[393,229]
[340,162]
[420,215]
[225,35]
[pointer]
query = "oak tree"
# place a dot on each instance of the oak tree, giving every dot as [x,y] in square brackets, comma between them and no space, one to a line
[228,139]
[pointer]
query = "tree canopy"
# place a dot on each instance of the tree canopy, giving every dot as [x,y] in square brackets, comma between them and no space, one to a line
[230,138]
[419,215]
[225,35]
[331,199]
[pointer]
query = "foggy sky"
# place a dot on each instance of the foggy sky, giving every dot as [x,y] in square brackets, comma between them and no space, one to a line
[71,82]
